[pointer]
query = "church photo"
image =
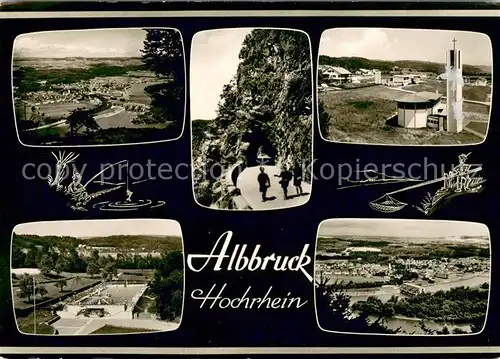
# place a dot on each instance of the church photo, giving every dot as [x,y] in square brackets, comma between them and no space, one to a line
[404,87]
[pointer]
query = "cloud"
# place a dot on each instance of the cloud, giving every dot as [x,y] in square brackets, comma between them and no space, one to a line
[368,41]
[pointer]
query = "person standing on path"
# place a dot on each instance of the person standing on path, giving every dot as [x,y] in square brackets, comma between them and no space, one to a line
[286,177]
[297,178]
[264,183]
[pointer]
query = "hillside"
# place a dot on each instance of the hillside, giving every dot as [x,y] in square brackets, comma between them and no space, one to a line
[268,104]
[162,243]
[198,129]
[355,63]
[406,249]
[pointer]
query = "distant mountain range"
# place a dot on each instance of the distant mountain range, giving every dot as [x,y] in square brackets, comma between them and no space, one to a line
[75,62]
[148,242]
[355,63]
[462,240]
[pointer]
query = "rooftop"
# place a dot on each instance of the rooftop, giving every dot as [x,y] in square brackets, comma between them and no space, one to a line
[420,97]
[338,69]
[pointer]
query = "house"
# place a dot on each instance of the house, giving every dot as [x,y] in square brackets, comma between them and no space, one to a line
[480,82]
[400,80]
[396,80]
[337,75]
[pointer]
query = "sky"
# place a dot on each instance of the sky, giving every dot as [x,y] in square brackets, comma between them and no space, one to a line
[214,61]
[401,228]
[103,228]
[81,43]
[405,44]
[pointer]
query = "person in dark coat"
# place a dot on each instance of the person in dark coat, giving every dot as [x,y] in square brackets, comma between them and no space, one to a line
[297,178]
[264,183]
[286,176]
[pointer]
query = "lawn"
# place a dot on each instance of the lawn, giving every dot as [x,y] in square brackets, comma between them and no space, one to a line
[53,291]
[480,127]
[473,93]
[361,115]
[110,329]
[25,324]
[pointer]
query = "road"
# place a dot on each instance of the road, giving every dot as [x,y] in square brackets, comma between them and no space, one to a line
[249,187]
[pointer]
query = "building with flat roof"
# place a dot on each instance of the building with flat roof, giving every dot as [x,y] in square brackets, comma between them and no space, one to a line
[414,108]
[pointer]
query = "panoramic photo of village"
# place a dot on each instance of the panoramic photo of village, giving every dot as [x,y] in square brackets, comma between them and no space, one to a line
[406,277]
[376,87]
[97,276]
[91,87]
[251,118]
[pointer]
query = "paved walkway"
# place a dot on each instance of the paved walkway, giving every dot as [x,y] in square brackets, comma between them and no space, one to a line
[249,187]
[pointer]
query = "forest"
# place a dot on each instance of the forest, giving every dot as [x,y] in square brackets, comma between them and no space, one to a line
[334,310]
[459,305]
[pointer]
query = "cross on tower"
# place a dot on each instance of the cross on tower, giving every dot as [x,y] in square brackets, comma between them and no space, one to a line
[454,40]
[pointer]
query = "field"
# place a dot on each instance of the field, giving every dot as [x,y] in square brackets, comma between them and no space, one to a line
[109,329]
[407,248]
[77,63]
[25,324]
[473,93]
[480,127]
[361,116]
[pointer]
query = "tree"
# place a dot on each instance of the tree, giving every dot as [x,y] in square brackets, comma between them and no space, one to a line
[108,271]
[31,258]
[61,284]
[163,53]
[46,264]
[93,268]
[75,263]
[77,280]
[41,290]
[333,306]
[168,285]
[18,257]
[79,119]
[26,287]
[60,265]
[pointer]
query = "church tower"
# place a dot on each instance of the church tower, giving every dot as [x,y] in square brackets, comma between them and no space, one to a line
[454,83]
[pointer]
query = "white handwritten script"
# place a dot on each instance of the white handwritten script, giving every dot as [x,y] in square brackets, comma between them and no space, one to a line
[239,259]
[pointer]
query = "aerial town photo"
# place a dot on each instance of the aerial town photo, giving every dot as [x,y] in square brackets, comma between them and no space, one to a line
[97,276]
[251,118]
[402,277]
[98,86]
[376,87]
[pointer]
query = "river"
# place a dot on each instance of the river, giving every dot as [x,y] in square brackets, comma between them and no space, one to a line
[411,325]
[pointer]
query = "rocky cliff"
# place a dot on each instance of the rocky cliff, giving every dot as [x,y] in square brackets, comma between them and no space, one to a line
[267,105]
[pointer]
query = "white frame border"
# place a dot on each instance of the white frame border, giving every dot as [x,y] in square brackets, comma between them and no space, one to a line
[396,144]
[401,220]
[106,144]
[107,334]
[313,115]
